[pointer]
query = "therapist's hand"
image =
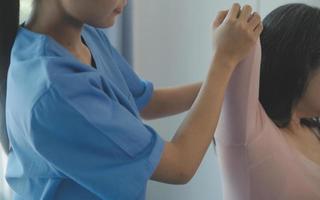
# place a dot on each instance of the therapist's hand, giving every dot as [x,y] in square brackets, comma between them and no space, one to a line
[235,33]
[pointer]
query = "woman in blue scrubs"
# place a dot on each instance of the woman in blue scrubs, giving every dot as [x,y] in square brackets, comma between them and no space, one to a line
[72,106]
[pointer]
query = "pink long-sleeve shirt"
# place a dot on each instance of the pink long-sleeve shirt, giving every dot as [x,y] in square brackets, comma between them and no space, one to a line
[256,161]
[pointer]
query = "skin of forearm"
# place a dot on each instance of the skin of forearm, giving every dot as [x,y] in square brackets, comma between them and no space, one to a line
[197,130]
[171,101]
[195,134]
[235,34]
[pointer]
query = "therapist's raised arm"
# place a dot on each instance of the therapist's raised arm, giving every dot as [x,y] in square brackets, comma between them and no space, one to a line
[235,34]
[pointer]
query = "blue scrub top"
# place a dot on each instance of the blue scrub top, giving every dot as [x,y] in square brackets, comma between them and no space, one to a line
[75,130]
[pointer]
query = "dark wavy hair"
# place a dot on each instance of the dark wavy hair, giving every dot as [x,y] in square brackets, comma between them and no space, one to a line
[290,54]
[9,23]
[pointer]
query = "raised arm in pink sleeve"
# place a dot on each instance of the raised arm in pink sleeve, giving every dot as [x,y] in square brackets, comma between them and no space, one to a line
[240,118]
[255,160]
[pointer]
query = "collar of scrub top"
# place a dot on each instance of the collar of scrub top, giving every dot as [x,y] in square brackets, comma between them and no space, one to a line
[65,51]
[93,62]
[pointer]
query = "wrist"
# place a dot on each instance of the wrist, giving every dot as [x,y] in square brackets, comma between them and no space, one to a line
[223,63]
[223,60]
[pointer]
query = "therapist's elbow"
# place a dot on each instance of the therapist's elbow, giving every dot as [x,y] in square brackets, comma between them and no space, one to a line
[145,115]
[186,167]
[150,113]
[174,167]
[185,176]
[179,177]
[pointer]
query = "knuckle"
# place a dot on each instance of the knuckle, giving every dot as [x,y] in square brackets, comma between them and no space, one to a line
[256,21]
[249,32]
[231,21]
[257,16]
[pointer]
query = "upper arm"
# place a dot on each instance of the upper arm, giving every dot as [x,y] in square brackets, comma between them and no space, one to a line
[95,141]
[242,114]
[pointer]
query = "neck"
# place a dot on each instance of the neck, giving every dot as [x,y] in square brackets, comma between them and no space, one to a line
[57,24]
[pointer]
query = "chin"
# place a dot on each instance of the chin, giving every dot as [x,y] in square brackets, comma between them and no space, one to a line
[109,24]
[103,24]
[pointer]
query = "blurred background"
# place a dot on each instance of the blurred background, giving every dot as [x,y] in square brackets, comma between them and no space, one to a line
[169,43]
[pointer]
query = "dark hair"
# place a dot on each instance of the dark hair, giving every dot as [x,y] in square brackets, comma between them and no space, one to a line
[290,54]
[9,23]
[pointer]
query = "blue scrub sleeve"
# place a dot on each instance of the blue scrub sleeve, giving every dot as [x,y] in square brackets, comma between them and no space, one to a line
[142,90]
[94,140]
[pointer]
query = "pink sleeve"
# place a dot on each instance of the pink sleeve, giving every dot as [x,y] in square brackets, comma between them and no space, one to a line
[242,114]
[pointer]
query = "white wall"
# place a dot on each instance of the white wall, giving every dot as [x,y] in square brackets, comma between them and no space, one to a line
[172,45]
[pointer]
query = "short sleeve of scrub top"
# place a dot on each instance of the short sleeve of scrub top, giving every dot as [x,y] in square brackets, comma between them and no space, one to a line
[95,141]
[141,90]
[83,123]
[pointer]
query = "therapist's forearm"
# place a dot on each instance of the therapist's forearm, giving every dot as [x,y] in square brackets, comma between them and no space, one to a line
[170,101]
[182,156]
[192,139]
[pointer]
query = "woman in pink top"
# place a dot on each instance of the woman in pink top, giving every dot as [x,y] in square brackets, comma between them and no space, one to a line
[270,149]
